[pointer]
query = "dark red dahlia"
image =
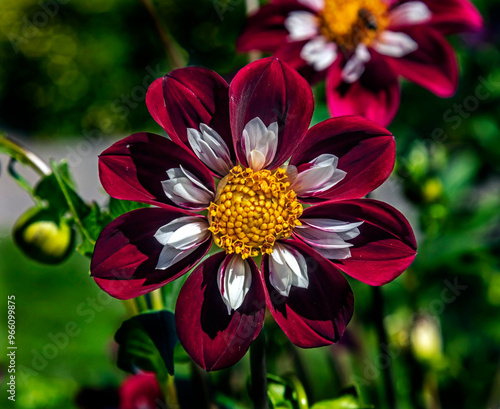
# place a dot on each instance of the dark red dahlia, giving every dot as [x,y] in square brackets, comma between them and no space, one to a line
[224,182]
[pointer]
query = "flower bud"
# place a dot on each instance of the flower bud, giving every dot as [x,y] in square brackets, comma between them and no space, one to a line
[43,236]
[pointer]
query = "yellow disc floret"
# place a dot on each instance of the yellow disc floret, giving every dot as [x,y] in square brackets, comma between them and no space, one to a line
[252,210]
[351,22]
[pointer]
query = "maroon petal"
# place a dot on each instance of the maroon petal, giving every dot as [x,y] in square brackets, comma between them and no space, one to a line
[213,338]
[454,16]
[317,315]
[433,65]
[265,30]
[366,152]
[134,167]
[274,92]
[385,246]
[375,95]
[126,254]
[188,97]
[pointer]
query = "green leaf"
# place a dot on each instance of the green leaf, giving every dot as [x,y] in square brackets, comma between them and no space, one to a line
[119,207]
[349,399]
[93,223]
[58,190]
[286,393]
[147,342]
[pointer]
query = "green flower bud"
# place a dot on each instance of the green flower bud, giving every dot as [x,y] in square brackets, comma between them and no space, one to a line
[43,236]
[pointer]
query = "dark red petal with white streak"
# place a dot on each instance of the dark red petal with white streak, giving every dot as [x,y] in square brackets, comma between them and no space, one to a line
[134,167]
[433,65]
[213,338]
[314,316]
[188,97]
[386,245]
[126,254]
[375,95]
[366,152]
[274,92]
[452,16]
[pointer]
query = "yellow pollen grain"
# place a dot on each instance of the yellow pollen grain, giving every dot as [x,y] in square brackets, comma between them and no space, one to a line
[252,210]
[352,22]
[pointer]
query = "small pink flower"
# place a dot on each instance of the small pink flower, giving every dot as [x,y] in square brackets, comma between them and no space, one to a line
[242,135]
[362,46]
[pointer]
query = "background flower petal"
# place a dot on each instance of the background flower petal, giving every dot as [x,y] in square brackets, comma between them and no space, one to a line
[375,95]
[126,254]
[432,65]
[316,315]
[454,16]
[366,152]
[265,30]
[213,338]
[386,245]
[274,92]
[135,167]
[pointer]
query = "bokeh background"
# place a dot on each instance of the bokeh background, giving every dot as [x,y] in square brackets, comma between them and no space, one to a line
[73,76]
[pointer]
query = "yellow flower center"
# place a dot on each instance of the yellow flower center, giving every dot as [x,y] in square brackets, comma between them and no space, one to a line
[351,22]
[252,210]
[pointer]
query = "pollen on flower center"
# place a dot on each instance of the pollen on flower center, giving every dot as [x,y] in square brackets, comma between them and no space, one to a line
[252,210]
[352,22]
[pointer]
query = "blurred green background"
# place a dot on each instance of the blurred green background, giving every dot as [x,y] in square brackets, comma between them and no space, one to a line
[74,68]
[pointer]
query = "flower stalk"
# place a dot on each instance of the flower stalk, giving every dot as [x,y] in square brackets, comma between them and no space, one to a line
[259,372]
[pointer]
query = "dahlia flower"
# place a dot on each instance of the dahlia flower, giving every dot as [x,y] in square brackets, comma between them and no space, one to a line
[361,47]
[279,206]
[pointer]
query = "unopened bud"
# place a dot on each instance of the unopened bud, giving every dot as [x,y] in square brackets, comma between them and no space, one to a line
[44,237]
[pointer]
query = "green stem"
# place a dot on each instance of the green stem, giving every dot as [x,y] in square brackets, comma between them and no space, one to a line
[23,155]
[378,313]
[300,391]
[170,393]
[71,205]
[130,307]
[259,372]
[141,303]
[175,58]
[157,299]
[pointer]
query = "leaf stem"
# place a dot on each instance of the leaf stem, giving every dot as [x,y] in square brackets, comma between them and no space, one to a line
[23,155]
[259,372]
